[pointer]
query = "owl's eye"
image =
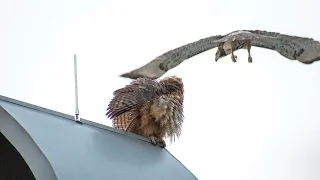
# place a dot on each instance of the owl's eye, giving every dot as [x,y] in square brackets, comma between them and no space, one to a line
[173,87]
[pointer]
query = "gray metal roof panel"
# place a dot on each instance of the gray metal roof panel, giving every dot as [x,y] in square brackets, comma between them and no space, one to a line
[92,150]
[25,145]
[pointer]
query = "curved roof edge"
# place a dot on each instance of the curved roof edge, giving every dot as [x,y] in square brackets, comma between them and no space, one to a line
[25,145]
[84,121]
[69,117]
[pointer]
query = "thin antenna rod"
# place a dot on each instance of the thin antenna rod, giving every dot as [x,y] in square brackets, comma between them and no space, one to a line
[76,88]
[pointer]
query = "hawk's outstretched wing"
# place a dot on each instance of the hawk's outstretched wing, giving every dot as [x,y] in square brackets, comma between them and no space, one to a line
[161,64]
[239,35]
[305,50]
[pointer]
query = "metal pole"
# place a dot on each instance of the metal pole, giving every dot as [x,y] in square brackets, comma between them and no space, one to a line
[76,88]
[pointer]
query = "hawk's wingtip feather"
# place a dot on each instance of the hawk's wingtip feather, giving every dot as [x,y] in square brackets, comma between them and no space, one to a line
[128,75]
[125,75]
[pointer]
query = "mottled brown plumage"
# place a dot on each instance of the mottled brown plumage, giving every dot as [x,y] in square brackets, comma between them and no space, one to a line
[153,109]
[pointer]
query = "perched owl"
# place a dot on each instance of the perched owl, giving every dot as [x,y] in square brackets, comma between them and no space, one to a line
[150,108]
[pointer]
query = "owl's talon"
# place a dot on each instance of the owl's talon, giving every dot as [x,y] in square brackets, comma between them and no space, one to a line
[162,143]
[250,59]
[153,140]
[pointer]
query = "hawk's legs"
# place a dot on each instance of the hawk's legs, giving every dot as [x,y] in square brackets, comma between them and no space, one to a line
[249,53]
[155,141]
[233,57]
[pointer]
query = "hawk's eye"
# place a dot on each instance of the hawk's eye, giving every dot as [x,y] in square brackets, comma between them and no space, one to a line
[162,67]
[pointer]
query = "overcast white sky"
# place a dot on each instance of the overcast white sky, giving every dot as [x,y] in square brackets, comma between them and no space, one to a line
[242,121]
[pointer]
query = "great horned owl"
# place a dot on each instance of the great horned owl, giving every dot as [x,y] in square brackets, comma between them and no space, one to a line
[153,109]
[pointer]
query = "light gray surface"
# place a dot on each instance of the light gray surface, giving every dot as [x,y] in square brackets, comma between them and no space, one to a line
[93,152]
[28,149]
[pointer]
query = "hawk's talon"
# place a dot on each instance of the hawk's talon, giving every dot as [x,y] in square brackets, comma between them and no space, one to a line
[250,59]
[234,58]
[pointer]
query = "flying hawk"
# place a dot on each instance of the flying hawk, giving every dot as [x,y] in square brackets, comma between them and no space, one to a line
[305,50]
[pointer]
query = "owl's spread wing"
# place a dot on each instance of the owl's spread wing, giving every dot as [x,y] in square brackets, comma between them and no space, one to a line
[132,96]
[161,64]
[305,50]
[125,121]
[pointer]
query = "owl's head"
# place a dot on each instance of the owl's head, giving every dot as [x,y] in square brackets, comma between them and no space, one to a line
[174,83]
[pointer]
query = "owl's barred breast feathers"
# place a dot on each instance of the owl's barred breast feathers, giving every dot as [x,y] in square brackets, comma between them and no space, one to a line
[149,108]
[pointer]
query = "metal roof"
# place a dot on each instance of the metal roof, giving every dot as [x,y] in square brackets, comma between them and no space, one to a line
[56,147]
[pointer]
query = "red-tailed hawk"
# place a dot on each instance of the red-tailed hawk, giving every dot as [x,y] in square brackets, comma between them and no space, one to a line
[305,50]
[153,109]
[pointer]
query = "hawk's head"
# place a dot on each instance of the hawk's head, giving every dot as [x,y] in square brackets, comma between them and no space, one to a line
[220,53]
